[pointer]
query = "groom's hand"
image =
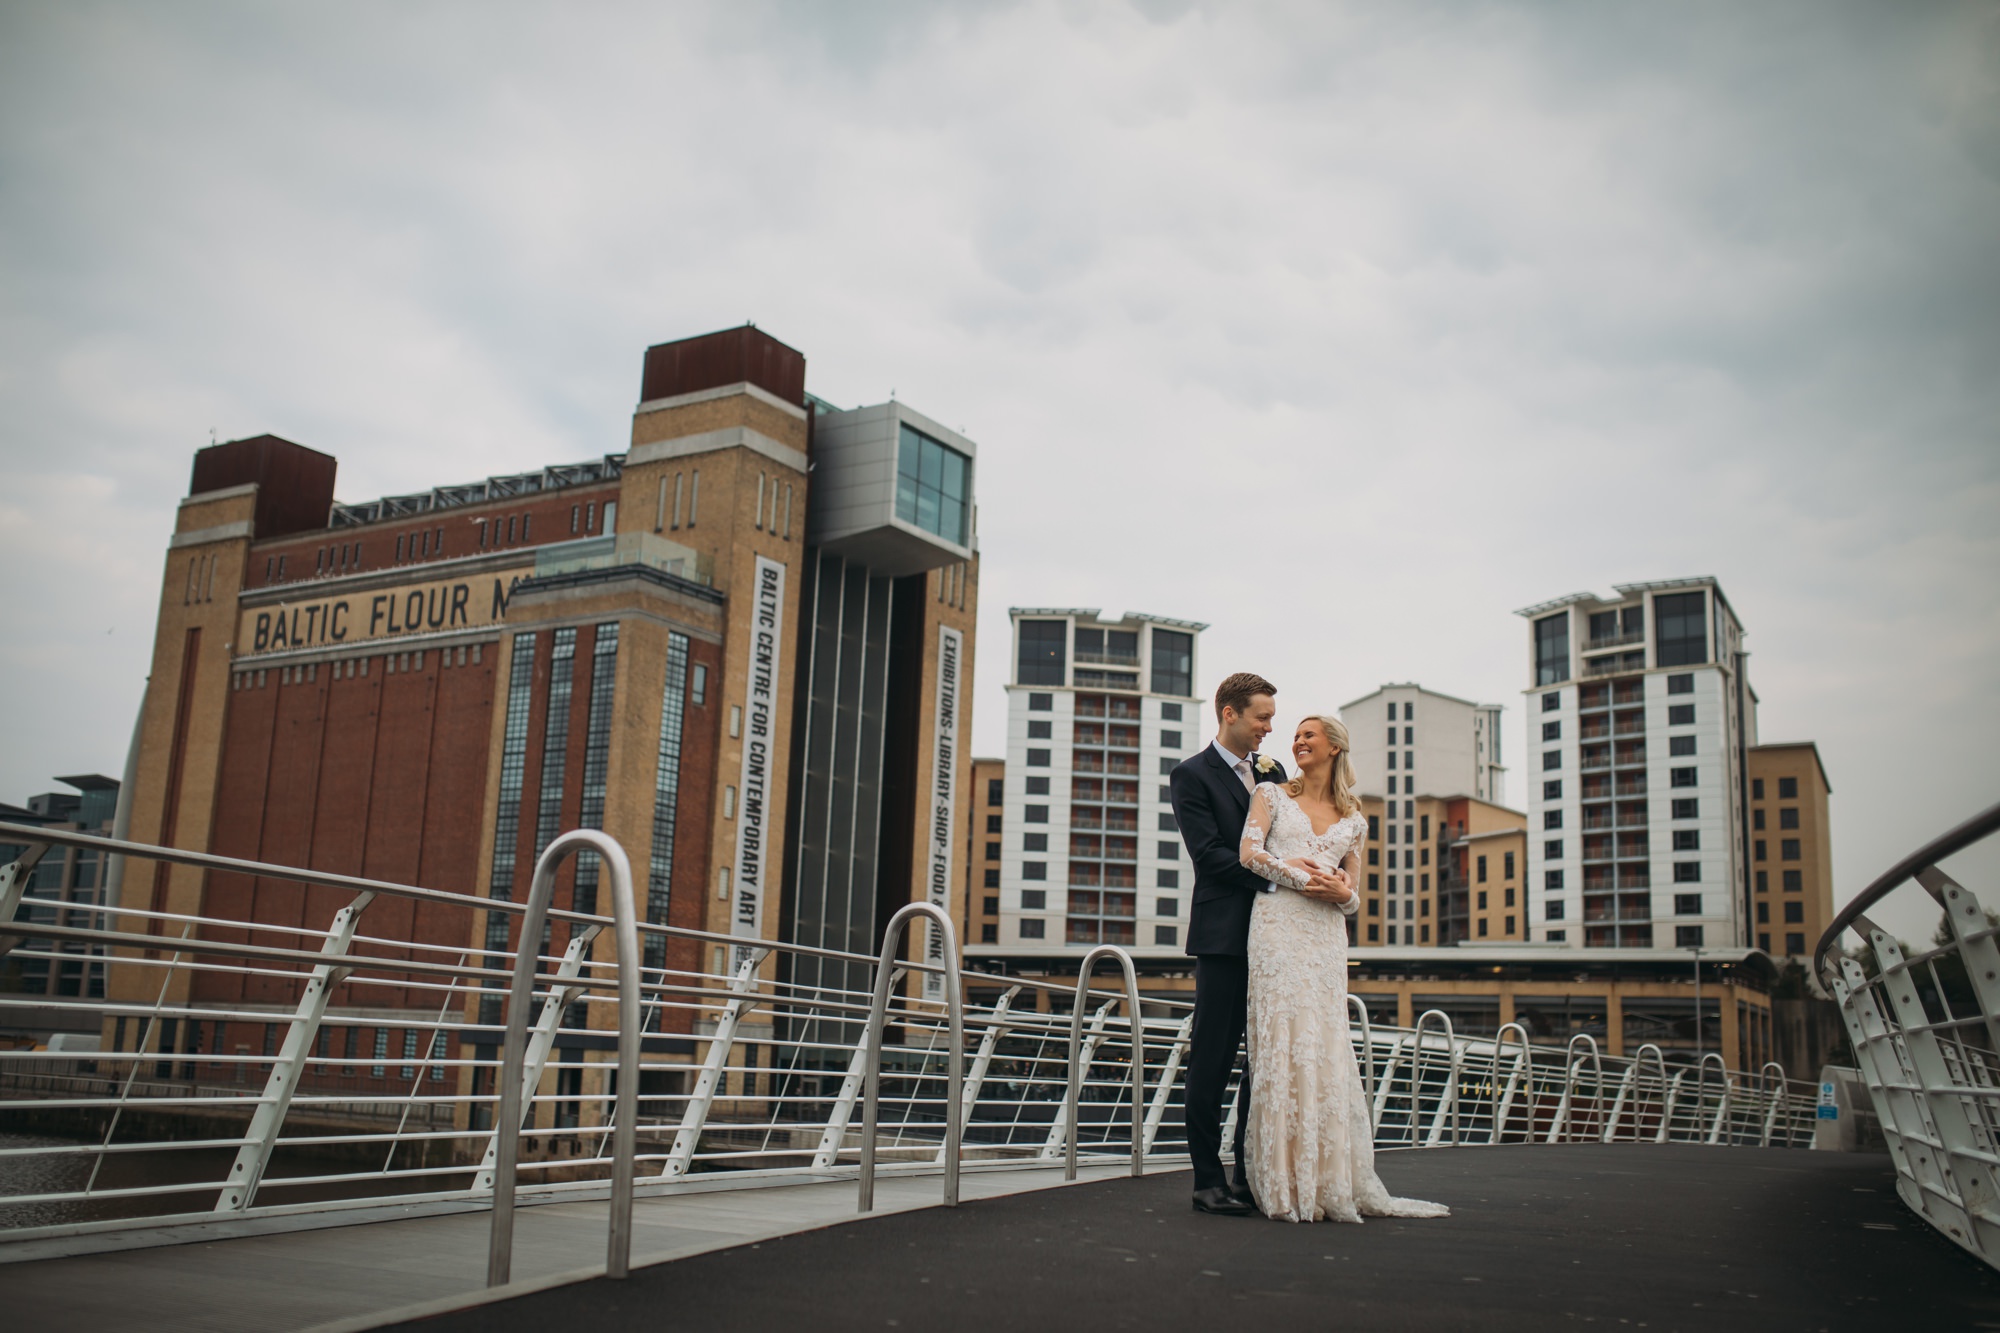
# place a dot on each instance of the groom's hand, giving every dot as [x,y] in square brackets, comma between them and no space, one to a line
[1329,887]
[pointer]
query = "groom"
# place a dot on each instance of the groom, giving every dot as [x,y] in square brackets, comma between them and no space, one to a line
[1211,795]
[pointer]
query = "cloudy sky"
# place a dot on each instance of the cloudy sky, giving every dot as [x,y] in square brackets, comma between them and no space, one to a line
[1347,328]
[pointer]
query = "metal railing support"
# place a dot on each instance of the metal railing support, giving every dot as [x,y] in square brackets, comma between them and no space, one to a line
[983,1059]
[1714,1135]
[1052,1146]
[1639,1087]
[1388,1079]
[835,1133]
[1163,1092]
[1072,1099]
[1446,1098]
[695,1114]
[247,1172]
[1366,1063]
[1774,1103]
[878,1018]
[1522,1074]
[14,878]
[541,1042]
[618,1247]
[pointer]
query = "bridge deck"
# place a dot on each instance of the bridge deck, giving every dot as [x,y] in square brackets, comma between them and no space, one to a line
[1671,1237]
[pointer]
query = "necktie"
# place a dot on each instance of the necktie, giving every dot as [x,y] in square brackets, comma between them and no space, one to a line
[1243,771]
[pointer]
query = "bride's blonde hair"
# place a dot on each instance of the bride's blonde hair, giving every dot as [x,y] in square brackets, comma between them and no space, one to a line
[1345,802]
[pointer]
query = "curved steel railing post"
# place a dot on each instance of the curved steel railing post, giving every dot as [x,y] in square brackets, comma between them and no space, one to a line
[1073,1097]
[1775,1102]
[624,1136]
[1597,1074]
[1524,1070]
[878,1018]
[1639,1087]
[1722,1109]
[1355,1005]
[1450,1092]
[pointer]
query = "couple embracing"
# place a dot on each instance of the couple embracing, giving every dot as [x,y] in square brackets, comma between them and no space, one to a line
[1276,875]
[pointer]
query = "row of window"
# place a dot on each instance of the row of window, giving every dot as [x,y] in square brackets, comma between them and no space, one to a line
[1044,647]
[1794,881]
[1680,623]
[1788,849]
[1788,789]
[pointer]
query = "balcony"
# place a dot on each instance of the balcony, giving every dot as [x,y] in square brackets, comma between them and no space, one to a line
[1595,730]
[1097,761]
[1613,641]
[1116,821]
[1629,724]
[1593,762]
[1107,658]
[1631,784]
[1614,666]
[1098,705]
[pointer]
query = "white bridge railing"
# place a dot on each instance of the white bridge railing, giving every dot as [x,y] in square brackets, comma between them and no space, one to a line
[1925,1027]
[274,1069]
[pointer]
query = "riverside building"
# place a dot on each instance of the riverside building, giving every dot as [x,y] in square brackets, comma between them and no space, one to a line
[1409,739]
[1640,720]
[1791,849]
[1098,713]
[658,642]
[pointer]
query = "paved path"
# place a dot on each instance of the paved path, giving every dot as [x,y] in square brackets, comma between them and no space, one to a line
[353,1277]
[1663,1238]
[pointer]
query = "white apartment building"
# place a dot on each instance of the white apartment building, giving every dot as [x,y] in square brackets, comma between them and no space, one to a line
[1408,739]
[1098,713]
[1640,714]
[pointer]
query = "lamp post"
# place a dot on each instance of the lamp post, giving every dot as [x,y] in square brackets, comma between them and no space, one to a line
[1698,1046]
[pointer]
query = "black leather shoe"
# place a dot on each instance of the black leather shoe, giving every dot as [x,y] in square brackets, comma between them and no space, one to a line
[1241,1193]
[1222,1202]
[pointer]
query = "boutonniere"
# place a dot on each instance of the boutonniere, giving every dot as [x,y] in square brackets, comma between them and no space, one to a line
[1265,765]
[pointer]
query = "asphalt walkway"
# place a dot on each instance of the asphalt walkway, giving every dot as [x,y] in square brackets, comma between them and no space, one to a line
[1665,1238]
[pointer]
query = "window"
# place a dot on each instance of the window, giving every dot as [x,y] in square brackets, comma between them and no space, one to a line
[932,486]
[1036,786]
[1551,760]
[993,851]
[1552,880]
[1788,849]
[1795,941]
[1038,759]
[1170,740]
[992,881]
[1392,738]
[699,694]
[1763,914]
[1041,729]
[1763,881]
[1166,851]
[1757,819]
[1392,761]
[1552,731]
[1680,622]
[1756,789]
[1374,886]
[1553,911]
[1034,870]
[1167,765]
[1170,712]
[1795,912]
[1687,872]
[1687,807]
[1034,842]
[1507,898]
[1507,866]
[1042,703]
[1479,871]
[1681,684]
[1034,900]
[1680,715]
[996,791]
[989,933]
[1167,879]
[1680,746]
[1552,649]
[1035,814]
[1687,937]
[1795,881]
[1166,794]
[1557,936]
[993,823]
[1552,701]
[1167,824]
[1687,904]
[1687,840]
[1042,657]
[1166,934]
[1788,816]
[1374,932]
[1031,930]
[1173,664]
[1788,789]
[1552,790]
[1374,828]
[1682,777]
[1409,738]
[1552,819]
[1552,850]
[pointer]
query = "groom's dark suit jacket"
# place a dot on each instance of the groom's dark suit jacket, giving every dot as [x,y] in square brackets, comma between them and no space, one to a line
[1210,805]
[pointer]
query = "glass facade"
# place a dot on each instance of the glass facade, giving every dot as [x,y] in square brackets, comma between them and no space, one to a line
[666,797]
[933,486]
[596,758]
[513,768]
[1682,624]
[1043,653]
[1173,663]
[1552,649]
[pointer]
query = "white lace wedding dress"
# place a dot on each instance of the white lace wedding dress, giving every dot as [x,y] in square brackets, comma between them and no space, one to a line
[1308,1147]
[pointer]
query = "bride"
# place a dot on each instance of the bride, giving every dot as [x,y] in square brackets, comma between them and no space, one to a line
[1310,1152]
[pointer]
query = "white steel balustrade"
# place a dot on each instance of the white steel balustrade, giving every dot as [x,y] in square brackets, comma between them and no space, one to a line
[746,1078]
[1925,1028]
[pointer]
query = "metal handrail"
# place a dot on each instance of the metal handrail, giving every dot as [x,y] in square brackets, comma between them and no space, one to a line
[1355,1005]
[624,1126]
[1502,1101]
[1937,849]
[1701,1096]
[1073,1095]
[878,1010]
[1597,1081]
[1450,1093]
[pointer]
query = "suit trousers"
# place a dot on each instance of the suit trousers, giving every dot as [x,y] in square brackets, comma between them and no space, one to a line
[1221,1000]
